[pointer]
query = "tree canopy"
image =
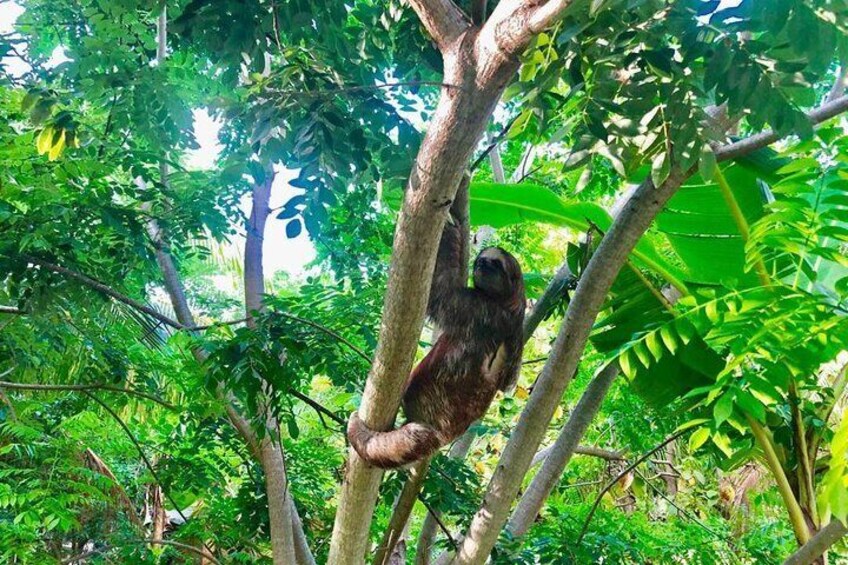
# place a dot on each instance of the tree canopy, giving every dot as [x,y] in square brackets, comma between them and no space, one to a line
[671,175]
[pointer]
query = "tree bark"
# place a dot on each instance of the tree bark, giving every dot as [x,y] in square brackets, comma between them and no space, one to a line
[566,443]
[254,274]
[548,299]
[402,511]
[818,544]
[464,108]
[284,524]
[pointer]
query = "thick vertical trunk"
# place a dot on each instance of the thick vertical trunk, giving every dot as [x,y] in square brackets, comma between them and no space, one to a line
[464,108]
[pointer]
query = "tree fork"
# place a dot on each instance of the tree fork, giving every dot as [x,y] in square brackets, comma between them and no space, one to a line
[476,77]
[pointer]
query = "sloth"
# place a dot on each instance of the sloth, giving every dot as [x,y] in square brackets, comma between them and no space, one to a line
[477,352]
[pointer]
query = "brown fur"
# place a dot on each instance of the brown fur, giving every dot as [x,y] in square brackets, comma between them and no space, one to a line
[477,353]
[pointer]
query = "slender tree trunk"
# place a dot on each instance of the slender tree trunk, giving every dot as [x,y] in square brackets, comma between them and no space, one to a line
[591,291]
[279,511]
[428,529]
[284,523]
[402,510]
[157,511]
[566,443]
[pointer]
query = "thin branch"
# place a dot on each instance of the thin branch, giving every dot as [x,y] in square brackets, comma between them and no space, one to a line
[108,291]
[327,331]
[561,281]
[319,408]
[492,144]
[838,88]
[682,511]
[534,361]
[140,450]
[758,141]
[442,19]
[88,387]
[12,310]
[438,520]
[589,450]
[618,477]
[185,546]
[294,318]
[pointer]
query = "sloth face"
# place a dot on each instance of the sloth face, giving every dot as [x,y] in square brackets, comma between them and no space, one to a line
[497,273]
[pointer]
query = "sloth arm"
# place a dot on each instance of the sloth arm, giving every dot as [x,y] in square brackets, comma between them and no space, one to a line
[451,302]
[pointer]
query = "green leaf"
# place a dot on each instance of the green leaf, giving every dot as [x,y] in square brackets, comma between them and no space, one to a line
[294,228]
[723,408]
[654,345]
[624,363]
[707,162]
[698,438]
[660,169]
[500,205]
[291,425]
[723,443]
[751,405]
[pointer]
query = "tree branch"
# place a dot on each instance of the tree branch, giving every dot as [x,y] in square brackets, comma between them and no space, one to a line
[838,88]
[108,291]
[618,477]
[758,141]
[84,388]
[140,450]
[566,444]
[514,23]
[548,299]
[12,310]
[818,544]
[442,19]
[632,222]
[589,450]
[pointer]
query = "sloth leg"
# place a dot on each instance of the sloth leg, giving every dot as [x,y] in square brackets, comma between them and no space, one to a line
[395,448]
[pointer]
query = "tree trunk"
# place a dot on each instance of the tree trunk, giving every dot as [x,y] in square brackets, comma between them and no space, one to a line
[279,511]
[157,511]
[548,476]
[591,291]
[428,530]
[400,514]
[285,525]
[457,125]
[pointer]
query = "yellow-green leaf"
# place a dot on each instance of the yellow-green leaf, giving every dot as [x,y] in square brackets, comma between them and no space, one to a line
[698,438]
